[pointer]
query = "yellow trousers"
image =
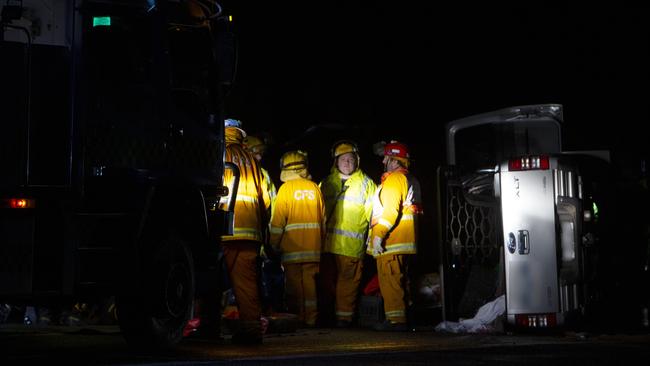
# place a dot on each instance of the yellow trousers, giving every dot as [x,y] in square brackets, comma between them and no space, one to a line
[241,261]
[300,290]
[394,285]
[341,280]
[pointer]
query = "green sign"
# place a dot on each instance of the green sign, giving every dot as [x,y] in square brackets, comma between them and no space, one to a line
[101,21]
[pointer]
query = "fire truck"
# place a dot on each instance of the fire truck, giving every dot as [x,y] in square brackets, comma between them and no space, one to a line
[112,156]
[520,217]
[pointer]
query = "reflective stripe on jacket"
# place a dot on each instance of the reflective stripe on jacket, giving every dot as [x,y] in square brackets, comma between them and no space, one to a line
[298,221]
[349,207]
[249,216]
[270,187]
[394,214]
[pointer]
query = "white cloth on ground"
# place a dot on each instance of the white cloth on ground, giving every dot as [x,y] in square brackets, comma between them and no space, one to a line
[480,322]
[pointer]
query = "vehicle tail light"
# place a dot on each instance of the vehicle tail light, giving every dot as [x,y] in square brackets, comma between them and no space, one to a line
[18,203]
[536,320]
[535,162]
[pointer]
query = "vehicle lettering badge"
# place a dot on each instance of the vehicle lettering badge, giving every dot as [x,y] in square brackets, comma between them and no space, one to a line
[516,187]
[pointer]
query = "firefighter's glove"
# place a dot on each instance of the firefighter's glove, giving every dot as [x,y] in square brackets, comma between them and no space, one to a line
[377,248]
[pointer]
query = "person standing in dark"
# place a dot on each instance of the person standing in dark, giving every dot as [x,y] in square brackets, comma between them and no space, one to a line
[241,250]
[271,269]
[393,240]
[348,193]
[297,232]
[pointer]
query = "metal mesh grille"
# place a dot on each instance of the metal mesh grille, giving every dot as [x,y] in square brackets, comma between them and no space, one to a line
[473,232]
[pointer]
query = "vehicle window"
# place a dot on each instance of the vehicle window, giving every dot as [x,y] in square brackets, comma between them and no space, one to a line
[121,78]
[191,62]
[126,92]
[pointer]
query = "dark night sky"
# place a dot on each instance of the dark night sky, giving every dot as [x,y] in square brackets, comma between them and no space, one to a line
[393,68]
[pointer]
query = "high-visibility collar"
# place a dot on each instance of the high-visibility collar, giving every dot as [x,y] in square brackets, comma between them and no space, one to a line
[400,170]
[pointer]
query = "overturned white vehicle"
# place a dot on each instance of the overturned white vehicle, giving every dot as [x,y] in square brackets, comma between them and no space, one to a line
[517,219]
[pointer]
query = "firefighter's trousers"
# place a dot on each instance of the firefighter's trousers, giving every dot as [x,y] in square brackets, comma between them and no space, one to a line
[392,271]
[241,261]
[341,276]
[301,290]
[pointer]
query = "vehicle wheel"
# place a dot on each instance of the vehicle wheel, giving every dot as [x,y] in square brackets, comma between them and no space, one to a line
[153,313]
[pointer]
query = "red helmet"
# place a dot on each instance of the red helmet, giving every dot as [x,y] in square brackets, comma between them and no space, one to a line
[396,149]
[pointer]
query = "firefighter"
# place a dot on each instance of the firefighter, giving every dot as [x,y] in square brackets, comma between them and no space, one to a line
[348,195]
[392,239]
[297,231]
[272,272]
[257,147]
[241,250]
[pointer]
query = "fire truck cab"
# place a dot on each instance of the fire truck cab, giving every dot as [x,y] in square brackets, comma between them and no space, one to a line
[112,157]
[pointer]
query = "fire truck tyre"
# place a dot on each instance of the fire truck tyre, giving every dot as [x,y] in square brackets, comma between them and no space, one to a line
[154,316]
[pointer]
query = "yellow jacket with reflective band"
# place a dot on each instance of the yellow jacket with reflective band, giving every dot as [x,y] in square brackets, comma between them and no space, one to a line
[270,187]
[252,199]
[348,206]
[298,221]
[393,219]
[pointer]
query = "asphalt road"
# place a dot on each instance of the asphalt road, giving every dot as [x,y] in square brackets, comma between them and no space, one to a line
[103,345]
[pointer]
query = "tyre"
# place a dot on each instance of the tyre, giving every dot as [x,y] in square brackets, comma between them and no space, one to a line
[153,312]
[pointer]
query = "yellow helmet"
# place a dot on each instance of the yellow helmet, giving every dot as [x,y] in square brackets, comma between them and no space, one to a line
[255,144]
[294,165]
[343,147]
[294,160]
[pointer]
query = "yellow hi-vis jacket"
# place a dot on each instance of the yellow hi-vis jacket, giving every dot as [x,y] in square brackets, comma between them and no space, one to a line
[252,199]
[349,207]
[394,213]
[298,221]
[270,187]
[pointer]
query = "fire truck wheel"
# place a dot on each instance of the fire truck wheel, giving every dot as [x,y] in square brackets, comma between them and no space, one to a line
[156,315]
